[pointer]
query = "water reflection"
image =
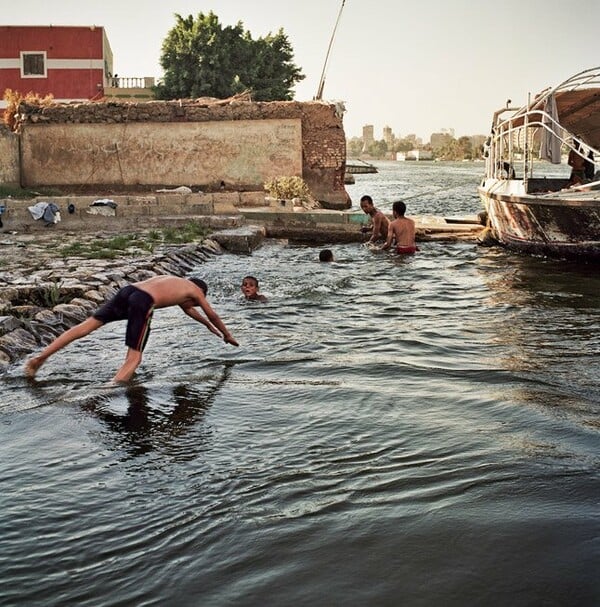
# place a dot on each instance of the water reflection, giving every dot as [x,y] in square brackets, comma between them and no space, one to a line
[545,322]
[387,424]
[155,421]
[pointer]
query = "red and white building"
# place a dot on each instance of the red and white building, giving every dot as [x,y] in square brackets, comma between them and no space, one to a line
[72,63]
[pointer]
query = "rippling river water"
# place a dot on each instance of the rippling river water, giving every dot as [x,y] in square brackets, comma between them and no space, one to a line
[391,431]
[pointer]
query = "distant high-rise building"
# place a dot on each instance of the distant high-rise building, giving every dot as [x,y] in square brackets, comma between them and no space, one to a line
[368,137]
[388,136]
[439,140]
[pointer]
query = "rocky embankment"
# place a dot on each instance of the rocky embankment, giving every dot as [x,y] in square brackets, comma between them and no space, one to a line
[42,293]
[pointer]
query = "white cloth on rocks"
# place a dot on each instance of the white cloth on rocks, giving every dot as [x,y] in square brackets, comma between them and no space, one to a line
[47,211]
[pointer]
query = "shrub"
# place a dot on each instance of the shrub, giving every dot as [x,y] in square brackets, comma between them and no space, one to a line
[14,98]
[288,188]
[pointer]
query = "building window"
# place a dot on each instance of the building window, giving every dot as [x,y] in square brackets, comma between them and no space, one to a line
[33,64]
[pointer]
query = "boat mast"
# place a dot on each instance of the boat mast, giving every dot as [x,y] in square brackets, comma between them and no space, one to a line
[319,95]
[527,150]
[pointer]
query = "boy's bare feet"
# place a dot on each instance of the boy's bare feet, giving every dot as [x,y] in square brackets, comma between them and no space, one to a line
[32,365]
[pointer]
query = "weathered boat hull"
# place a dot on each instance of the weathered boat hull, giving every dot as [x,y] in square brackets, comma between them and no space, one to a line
[529,209]
[546,226]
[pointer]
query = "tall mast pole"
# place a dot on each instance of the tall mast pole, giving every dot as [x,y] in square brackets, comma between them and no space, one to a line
[319,95]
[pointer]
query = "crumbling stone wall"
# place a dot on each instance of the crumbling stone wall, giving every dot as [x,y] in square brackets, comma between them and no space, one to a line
[122,145]
[9,157]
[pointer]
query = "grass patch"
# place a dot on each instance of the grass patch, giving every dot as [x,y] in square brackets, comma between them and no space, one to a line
[9,191]
[189,232]
[134,244]
[52,294]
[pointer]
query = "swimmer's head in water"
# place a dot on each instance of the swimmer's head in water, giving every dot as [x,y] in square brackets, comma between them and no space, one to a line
[326,255]
[250,287]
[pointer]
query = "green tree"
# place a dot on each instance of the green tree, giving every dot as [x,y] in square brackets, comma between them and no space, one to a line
[201,58]
[404,145]
[378,149]
[354,147]
[466,146]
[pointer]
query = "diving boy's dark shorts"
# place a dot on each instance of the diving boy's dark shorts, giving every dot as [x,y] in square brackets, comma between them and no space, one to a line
[135,306]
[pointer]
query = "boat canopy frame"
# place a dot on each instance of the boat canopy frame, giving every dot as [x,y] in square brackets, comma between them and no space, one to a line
[577,103]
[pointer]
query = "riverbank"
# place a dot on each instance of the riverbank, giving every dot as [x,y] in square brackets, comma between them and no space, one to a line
[220,210]
[55,274]
[42,292]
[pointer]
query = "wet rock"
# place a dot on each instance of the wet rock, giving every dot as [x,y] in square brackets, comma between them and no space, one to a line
[95,296]
[180,262]
[45,333]
[241,240]
[25,311]
[143,274]
[107,291]
[48,317]
[70,313]
[8,324]
[8,294]
[102,278]
[4,360]
[17,343]
[88,306]
[211,246]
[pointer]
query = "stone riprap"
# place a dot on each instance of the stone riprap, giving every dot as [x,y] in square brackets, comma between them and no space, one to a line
[41,295]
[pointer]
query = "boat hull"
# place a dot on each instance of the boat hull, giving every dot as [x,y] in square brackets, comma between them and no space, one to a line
[559,227]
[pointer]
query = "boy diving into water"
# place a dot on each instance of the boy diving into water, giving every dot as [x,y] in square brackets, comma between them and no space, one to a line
[136,304]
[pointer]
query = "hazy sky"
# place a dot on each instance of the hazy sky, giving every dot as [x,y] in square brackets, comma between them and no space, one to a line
[417,66]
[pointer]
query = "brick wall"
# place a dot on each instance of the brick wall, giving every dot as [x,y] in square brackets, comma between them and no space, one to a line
[198,143]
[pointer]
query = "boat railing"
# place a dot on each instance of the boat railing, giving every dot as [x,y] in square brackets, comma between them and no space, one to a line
[501,147]
[518,131]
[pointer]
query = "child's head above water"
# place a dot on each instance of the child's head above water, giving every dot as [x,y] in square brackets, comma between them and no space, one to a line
[250,288]
[326,255]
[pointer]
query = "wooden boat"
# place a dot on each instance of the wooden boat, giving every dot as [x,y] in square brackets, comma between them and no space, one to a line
[526,210]
[356,166]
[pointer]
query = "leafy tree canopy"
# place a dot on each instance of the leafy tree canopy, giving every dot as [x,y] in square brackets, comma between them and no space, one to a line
[201,58]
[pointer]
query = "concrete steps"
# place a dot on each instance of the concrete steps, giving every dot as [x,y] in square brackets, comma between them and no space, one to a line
[218,211]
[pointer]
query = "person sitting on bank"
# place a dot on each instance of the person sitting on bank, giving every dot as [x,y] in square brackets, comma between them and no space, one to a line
[379,221]
[250,289]
[577,163]
[590,167]
[326,255]
[401,231]
[136,303]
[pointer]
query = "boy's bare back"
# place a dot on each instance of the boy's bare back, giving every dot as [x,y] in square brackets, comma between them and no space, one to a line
[171,291]
[403,229]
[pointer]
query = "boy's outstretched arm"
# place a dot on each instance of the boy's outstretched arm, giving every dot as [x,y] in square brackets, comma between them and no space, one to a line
[220,329]
[193,313]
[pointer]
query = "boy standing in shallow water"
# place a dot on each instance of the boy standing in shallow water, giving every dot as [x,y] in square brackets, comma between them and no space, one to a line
[136,303]
[379,221]
[250,289]
[402,230]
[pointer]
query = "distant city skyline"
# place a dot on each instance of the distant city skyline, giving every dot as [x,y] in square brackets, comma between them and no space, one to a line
[417,68]
[369,132]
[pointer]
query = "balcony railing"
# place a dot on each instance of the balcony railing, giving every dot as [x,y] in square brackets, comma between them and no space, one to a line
[118,82]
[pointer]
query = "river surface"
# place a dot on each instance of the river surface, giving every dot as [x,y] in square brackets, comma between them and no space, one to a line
[391,431]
